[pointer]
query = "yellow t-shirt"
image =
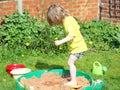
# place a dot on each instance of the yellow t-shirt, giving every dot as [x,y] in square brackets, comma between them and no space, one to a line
[71,26]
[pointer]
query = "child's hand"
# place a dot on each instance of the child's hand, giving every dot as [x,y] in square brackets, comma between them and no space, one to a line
[58,42]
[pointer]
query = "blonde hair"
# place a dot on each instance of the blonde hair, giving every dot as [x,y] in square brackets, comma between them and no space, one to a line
[56,14]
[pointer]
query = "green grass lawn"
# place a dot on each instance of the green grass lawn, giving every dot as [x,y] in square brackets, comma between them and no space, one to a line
[110,59]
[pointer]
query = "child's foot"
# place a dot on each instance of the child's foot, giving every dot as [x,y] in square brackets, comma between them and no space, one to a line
[70,83]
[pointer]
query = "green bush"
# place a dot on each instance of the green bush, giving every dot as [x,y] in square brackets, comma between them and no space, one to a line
[100,35]
[29,33]
[26,32]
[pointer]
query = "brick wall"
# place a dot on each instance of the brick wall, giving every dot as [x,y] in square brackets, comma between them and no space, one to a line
[83,9]
[107,11]
[7,7]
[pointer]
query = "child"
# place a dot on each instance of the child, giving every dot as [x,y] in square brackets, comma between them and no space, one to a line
[57,15]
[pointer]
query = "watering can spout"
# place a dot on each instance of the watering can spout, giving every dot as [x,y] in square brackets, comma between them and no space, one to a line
[97,68]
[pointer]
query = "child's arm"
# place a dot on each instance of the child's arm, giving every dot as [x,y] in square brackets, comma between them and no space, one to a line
[66,39]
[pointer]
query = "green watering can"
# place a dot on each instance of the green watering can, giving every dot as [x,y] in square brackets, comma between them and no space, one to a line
[97,68]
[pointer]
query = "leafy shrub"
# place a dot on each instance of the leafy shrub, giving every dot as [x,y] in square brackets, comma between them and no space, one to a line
[117,37]
[100,35]
[29,33]
[22,31]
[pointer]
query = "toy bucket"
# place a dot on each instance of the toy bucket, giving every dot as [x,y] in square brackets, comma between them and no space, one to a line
[97,68]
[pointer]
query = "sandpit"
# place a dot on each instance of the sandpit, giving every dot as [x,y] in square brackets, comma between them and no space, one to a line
[52,81]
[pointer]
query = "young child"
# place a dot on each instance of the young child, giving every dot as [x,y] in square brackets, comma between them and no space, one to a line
[57,15]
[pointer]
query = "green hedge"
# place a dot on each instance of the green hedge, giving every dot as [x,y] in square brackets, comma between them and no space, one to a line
[101,35]
[23,31]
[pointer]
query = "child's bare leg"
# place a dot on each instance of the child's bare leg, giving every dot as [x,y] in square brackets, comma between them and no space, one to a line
[72,67]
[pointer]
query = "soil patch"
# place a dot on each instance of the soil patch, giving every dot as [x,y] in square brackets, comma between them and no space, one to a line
[52,81]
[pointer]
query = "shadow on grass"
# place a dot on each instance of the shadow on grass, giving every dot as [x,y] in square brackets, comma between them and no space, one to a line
[41,65]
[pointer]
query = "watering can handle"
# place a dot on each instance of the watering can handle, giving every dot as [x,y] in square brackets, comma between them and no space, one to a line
[96,62]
